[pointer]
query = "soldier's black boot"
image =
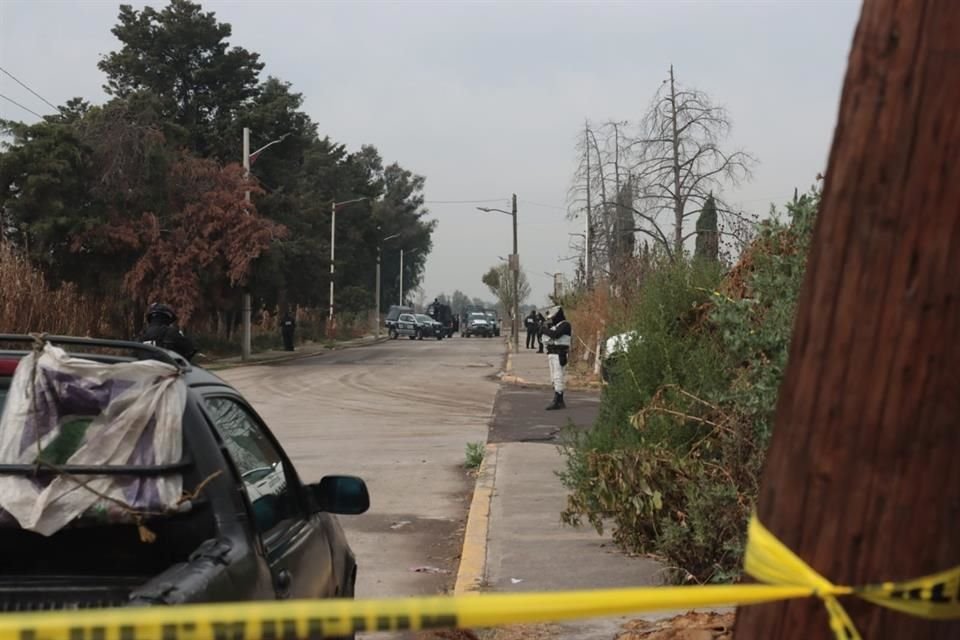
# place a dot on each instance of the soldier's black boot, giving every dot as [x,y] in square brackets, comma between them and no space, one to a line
[557,402]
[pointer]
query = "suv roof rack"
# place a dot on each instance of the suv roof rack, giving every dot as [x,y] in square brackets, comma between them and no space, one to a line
[99,470]
[157,353]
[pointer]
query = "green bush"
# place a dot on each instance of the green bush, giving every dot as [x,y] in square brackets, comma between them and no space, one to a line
[673,461]
[474,455]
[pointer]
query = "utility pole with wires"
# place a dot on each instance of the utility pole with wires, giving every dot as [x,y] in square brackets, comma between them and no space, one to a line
[586,224]
[379,254]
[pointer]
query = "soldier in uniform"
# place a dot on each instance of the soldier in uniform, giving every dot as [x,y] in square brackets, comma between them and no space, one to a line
[530,322]
[559,336]
[541,321]
[287,325]
[162,331]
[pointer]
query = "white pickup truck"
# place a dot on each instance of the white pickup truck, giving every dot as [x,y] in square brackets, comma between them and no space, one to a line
[614,349]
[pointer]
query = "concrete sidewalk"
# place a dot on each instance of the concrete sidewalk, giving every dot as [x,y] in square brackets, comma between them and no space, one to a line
[529,368]
[306,350]
[515,540]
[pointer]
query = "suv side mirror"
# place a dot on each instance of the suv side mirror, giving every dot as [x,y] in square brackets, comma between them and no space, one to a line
[345,495]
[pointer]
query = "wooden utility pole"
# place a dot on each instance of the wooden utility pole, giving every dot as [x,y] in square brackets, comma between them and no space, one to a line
[586,224]
[862,479]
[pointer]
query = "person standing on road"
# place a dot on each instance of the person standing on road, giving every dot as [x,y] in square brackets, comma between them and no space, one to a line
[287,325]
[541,321]
[162,331]
[530,322]
[559,336]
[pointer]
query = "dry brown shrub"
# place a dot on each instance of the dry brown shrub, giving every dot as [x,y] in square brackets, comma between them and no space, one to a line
[694,625]
[29,304]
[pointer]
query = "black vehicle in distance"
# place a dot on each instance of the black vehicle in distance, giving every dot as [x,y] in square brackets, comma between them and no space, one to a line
[443,314]
[428,327]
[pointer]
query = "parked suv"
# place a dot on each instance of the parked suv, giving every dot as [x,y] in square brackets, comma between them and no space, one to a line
[494,321]
[393,314]
[476,324]
[250,530]
[429,328]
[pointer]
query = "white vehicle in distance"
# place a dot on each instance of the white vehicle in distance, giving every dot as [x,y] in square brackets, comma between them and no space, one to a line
[477,324]
[615,351]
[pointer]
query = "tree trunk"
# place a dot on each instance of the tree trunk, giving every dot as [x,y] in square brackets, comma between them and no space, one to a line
[862,480]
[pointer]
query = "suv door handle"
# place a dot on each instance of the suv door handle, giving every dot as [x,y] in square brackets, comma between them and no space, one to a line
[283,582]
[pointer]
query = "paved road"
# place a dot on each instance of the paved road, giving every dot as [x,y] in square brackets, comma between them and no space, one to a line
[399,414]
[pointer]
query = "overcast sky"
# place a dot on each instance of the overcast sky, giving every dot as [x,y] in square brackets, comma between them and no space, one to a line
[486,99]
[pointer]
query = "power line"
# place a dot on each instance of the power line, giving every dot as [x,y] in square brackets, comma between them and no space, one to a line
[20,105]
[53,106]
[465,201]
[540,204]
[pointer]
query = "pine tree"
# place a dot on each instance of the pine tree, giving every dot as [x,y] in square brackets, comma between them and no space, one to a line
[708,239]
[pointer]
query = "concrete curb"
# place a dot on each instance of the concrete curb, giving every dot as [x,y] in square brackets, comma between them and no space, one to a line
[508,377]
[220,366]
[473,557]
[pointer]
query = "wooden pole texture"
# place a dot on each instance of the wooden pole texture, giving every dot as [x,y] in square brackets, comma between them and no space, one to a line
[863,475]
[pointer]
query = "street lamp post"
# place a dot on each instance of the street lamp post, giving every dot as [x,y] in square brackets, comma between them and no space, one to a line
[515,267]
[333,242]
[379,252]
[248,159]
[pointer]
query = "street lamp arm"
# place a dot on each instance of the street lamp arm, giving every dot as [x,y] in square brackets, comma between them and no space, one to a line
[270,144]
[491,210]
[515,267]
[396,235]
[334,205]
[346,202]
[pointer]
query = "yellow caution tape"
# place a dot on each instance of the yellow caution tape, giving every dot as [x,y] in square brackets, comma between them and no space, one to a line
[310,619]
[767,559]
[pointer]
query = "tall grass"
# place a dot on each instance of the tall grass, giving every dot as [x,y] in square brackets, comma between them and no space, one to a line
[28,303]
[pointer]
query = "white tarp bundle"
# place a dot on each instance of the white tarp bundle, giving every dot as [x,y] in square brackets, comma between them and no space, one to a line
[72,411]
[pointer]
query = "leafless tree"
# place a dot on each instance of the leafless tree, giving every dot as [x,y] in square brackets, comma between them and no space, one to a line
[602,170]
[499,280]
[678,163]
[652,180]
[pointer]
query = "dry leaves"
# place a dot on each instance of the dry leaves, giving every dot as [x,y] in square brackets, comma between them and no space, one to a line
[693,625]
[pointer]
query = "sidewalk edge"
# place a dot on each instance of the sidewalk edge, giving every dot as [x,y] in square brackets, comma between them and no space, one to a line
[473,557]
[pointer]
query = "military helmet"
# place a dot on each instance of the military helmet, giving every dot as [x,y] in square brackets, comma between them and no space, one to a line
[162,311]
